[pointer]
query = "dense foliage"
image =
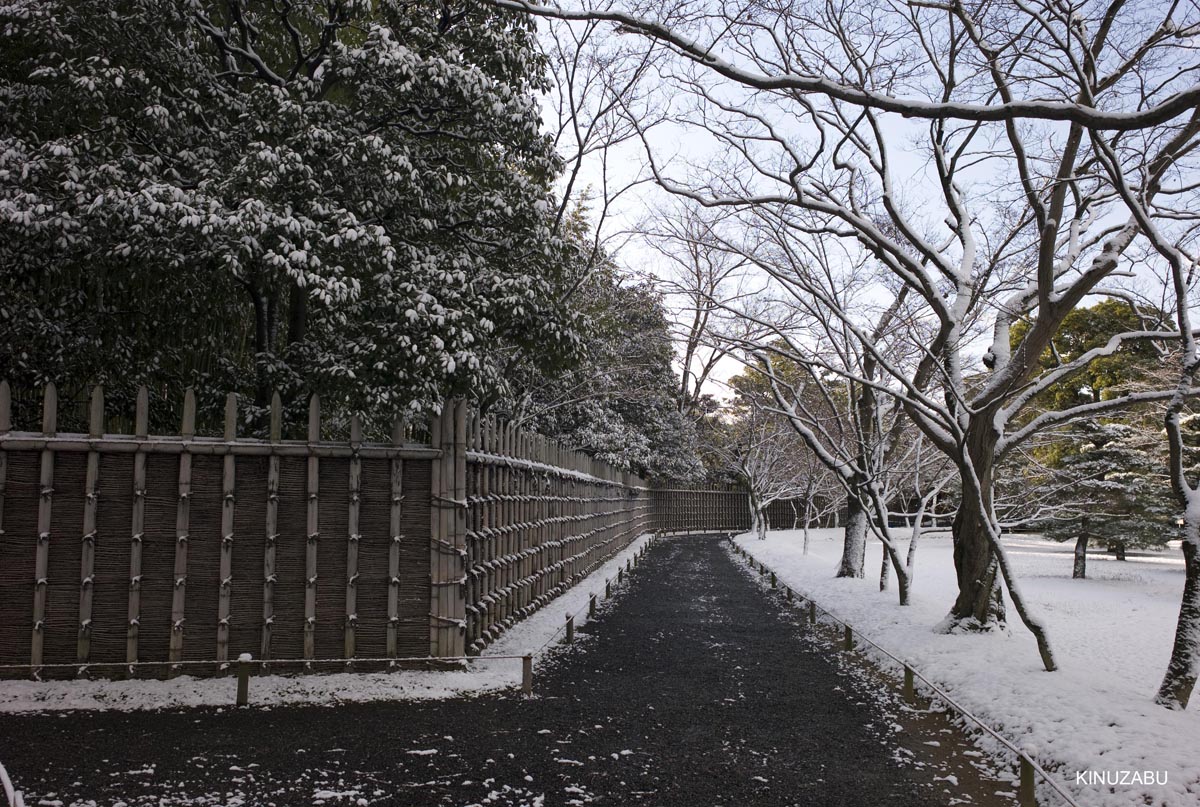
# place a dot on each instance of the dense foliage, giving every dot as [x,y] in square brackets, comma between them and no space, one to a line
[342,198]
[619,403]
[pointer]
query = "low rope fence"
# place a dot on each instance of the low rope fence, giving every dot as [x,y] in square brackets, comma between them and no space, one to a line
[1028,767]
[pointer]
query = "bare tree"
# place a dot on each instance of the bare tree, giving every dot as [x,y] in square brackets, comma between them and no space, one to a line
[700,276]
[1036,134]
[760,449]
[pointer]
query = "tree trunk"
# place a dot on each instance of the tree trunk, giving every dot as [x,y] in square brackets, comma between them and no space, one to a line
[297,315]
[807,522]
[1180,680]
[264,326]
[1118,547]
[854,545]
[1079,570]
[979,605]
[883,571]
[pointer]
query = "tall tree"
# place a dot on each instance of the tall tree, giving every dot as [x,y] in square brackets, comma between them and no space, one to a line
[1031,125]
[336,197]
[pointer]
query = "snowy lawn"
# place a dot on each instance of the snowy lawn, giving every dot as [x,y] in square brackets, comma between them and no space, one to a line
[529,636]
[1112,635]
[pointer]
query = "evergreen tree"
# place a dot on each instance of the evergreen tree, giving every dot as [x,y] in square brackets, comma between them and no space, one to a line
[345,198]
[1121,496]
[619,402]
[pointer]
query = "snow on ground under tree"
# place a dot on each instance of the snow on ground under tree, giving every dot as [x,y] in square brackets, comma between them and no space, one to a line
[530,636]
[1112,636]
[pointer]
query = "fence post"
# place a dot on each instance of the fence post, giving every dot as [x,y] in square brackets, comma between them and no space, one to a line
[774,583]
[87,562]
[394,522]
[527,675]
[812,612]
[607,589]
[592,607]
[354,508]
[847,639]
[183,510]
[313,526]
[1027,794]
[137,520]
[41,572]
[570,629]
[910,692]
[275,434]
[243,679]
[449,528]
[228,502]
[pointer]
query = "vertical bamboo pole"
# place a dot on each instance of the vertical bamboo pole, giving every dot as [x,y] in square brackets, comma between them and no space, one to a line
[458,559]
[45,500]
[87,556]
[397,498]
[353,537]
[436,495]
[5,427]
[137,522]
[228,500]
[313,527]
[485,525]
[272,529]
[182,529]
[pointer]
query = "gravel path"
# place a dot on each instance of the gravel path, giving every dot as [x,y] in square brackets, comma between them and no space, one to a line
[694,689]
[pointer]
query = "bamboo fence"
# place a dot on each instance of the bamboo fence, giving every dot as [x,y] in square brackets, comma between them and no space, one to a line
[150,554]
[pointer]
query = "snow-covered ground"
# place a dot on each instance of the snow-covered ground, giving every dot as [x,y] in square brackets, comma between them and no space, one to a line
[1112,635]
[485,674]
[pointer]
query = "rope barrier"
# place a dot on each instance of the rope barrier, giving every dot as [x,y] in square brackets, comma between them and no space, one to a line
[941,693]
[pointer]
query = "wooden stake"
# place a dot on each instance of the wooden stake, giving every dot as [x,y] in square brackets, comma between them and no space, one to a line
[228,500]
[910,691]
[570,629]
[527,675]
[41,573]
[847,639]
[313,527]
[182,529]
[812,612]
[137,521]
[592,607]
[353,537]
[1027,793]
[270,544]
[243,679]
[87,557]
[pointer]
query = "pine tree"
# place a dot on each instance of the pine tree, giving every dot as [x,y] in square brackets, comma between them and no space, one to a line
[1121,496]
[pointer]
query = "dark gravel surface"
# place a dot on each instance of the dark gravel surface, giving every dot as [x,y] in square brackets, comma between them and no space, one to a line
[694,689]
